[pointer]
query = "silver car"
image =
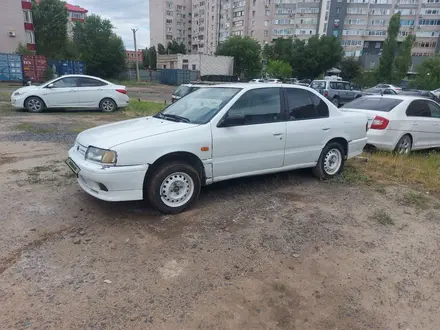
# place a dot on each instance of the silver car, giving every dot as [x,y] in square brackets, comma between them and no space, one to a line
[338,92]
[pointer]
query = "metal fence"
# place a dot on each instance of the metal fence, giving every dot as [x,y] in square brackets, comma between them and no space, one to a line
[165,76]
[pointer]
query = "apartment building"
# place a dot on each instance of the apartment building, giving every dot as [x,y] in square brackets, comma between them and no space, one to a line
[362,25]
[76,14]
[16,25]
[202,24]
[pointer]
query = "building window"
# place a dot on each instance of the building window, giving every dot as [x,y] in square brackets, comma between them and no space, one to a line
[266,23]
[30,38]
[27,16]
[267,12]
[77,15]
[366,44]
[266,33]
[377,45]
[194,67]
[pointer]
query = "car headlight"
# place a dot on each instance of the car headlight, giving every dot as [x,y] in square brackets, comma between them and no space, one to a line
[17,93]
[101,155]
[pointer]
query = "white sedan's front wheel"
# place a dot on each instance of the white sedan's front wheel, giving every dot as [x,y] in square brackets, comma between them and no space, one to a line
[34,104]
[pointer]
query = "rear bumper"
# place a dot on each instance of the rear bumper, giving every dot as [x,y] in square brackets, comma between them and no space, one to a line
[356,147]
[383,139]
[112,184]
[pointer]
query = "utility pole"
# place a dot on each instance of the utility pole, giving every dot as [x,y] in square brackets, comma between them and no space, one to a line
[136,54]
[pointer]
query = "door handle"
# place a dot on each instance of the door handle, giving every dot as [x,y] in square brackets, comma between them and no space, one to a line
[277,134]
[326,128]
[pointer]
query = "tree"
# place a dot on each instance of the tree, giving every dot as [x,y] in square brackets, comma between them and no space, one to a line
[152,57]
[247,55]
[282,50]
[99,47]
[174,47]
[267,52]
[161,49]
[50,24]
[385,70]
[351,68]
[402,62]
[279,69]
[22,49]
[145,58]
[428,74]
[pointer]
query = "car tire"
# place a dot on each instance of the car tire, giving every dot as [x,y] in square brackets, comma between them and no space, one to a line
[336,102]
[108,105]
[34,104]
[173,187]
[330,162]
[404,145]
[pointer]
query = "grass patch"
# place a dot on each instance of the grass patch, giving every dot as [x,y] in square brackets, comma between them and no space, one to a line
[279,287]
[31,128]
[352,174]
[415,199]
[421,169]
[5,97]
[132,83]
[137,108]
[382,217]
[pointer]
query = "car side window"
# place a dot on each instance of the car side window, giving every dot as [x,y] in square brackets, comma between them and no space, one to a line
[320,106]
[89,82]
[258,106]
[389,92]
[300,104]
[435,109]
[346,86]
[418,108]
[334,85]
[67,82]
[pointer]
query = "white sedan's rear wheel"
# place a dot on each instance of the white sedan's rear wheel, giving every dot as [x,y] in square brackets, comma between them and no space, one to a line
[331,162]
[108,105]
[404,146]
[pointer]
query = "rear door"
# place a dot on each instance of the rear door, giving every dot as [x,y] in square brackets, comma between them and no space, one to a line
[90,92]
[420,123]
[308,126]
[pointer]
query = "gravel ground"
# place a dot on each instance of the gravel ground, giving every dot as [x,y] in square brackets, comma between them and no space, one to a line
[272,252]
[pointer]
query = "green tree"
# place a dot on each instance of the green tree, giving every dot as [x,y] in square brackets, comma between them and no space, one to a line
[330,52]
[174,47]
[428,74]
[22,49]
[282,50]
[145,58]
[152,57]
[267,52]
[351,68]
[402,62]
[50,24]
[247,55]
[161,49]
[279,69]
[385,70]
[99,47]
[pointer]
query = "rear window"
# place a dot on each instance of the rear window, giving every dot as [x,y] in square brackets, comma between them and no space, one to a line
[377,104]
[318,84]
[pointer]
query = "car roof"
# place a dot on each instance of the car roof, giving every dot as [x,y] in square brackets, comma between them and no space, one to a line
[249,86]
[78,75]
[398,97]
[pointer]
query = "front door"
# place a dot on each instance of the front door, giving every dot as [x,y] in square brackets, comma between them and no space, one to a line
[308,127]
[255,145]
[62,93]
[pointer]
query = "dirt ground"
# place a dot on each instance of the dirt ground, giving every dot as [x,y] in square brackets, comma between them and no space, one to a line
[272,252]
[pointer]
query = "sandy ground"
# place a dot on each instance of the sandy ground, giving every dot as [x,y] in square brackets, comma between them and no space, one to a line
[274,252]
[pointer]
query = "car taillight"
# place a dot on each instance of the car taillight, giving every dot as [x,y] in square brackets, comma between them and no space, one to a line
[123,91]
[379,123]
[325,93]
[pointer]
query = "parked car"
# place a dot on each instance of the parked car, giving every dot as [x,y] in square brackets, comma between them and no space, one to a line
[417,92]
[378,91]
[394,87]
[338,92]
[274,81]
[398,122]
[436,92]
[184,90]
[214,134]
[258,80]
[71,91]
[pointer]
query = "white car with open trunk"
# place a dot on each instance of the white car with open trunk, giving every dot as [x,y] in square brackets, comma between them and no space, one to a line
[213,134]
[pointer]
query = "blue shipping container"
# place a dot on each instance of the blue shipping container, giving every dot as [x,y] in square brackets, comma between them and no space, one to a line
[64,67]
[175,76]
[11,68]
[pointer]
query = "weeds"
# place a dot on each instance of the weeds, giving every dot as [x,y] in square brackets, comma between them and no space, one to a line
[143,108]
[5,97]
[28,127]
[415,198]
[382,217]
[352,174]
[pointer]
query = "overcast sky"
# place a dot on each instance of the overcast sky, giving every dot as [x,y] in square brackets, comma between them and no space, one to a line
[125,15]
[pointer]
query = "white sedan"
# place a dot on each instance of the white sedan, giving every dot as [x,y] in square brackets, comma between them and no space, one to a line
[213,134]
[71,91]
[399,123]
[393,87]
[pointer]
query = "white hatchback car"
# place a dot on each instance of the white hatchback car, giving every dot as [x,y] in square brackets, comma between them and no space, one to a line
[71,91]
[399,123]
[213,134]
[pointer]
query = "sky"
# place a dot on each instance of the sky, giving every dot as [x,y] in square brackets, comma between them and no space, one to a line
[124,15]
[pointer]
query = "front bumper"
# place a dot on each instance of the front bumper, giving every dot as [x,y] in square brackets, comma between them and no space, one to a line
[17,102]
[112,184]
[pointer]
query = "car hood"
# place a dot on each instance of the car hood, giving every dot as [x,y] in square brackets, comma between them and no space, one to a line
[26,89]
[111,135]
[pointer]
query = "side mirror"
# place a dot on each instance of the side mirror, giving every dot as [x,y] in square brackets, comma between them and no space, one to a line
[49,86]
[232,120]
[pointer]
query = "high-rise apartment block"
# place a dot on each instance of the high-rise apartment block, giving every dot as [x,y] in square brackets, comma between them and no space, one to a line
[360,25]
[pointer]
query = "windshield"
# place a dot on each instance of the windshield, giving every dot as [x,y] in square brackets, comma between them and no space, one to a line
[200,106]
[318,85]
[373,103]
[182,90]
